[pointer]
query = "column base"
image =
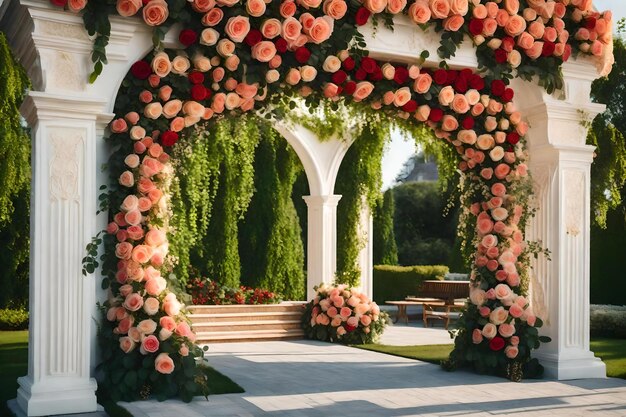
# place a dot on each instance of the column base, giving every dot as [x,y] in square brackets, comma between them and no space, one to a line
[581,366]
[56,396]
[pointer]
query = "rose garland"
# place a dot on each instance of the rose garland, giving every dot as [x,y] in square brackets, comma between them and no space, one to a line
[236,55]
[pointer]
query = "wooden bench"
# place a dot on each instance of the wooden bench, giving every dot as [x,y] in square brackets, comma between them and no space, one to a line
[434,295]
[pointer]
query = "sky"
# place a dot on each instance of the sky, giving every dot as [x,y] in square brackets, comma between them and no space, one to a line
[399,150]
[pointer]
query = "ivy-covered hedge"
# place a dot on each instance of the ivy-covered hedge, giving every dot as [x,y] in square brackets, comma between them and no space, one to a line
[397,282]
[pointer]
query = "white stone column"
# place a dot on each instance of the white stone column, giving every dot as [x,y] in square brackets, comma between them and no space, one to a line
[63,206]
[321,240]
[560,163]
[366,254]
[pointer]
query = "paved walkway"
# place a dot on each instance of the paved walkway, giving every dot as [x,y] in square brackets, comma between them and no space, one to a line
[414,333]
[304,378]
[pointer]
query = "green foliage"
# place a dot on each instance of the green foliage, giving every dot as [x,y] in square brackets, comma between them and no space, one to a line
[607,134]
[358,182]
[270,238]
[385,249]
[425,233]
[204,291]
[14,182]
[13,319]
[397,282]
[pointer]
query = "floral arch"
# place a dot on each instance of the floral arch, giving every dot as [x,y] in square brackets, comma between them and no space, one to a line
[233,57]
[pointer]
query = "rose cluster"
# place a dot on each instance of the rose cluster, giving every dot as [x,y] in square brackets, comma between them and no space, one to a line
[204,291]
[343,314]
[146,313]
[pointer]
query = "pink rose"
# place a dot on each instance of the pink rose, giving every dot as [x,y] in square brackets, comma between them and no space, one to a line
[119,126]
[151,307]
[213,17]
[264,51]
[271,28]
[255,8]
[184,350]
[142,254]
[516,311]
[167,323]
[506,330]
[128,8]
[155,286]
[345,312]
[352,322]
[511,352]
[171,307]
[155,12]
[287,8]
[147,326]
[127,344]
[330,90]
[363,90]
[135,232]
[439,8]
[477,336]
[291,29]
[366,320]
[164,364]
[503,292]
[321,29]
[202,6]
[133,217]
[123,250]
[133,302]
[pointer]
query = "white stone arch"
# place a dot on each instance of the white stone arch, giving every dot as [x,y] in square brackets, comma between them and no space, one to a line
[68,118]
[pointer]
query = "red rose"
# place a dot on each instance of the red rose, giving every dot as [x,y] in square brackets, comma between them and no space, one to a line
[466,74]
[590,23]
[198,92]
[435,115]
[302,55]
[60,3]
[377,75]
[477,82]
[497,87]
[349,88]
[500,56]
[507,95]
[467,123]
[368,64]
[339,77]
[187,37]
[196,77]
[401,75]
[512,138]
[141,70]
[253,37]
[496,344]
[460,85]
[410,106]
[508,43]
[360,74]
[567,53]
[348,64]
[440,76]
[451,76]
[349,328]
[169,138]
[145,2]
[548,48]
[281,45]
[476,27]
[362,16]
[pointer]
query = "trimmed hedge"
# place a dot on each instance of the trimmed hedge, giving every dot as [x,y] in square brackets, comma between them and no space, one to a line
[396,282]
[13,319]
[608,321]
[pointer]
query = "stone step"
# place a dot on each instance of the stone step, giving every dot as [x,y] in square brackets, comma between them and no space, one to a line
[248,336]
[239,326]
[240,308]
[245,317]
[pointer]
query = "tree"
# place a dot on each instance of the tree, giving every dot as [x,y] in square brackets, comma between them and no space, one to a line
[385,249]
[424,235]
[14,182]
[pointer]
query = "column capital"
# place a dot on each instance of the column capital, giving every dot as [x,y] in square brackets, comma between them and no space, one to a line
[47,106]
[321,200]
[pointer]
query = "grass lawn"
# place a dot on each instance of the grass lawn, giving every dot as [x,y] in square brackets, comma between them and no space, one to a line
[14,363]
[612,352]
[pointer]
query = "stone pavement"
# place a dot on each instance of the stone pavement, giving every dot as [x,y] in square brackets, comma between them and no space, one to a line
[414,333]
[305,378]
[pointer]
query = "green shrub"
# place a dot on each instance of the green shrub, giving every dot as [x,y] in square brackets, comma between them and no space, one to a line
[608,321]
[396,282]
[13,319]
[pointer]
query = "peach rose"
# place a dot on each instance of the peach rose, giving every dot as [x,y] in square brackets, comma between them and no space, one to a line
[213,17]
[142,254]
[506,330]
[515,25]
[498,315]
[209,36]
[503,292]
[321,29]
[363,90]
[459,7]
[446,95]
[171,307]
[155,286]
[147,326]
[308,73]
[338,8]
[225,47]
[449,123]
[420,12]
[460,104]
[264,51]
[193,108]
[128,8]
[453,23]
[375,6]
[151,307]
[467,136]
[149,344]
[237,28]
[489,331]
[477,336]
[293,77]
[511,352]
[153,111]
[133,302]
[129,203]
[271,28]
[132,117]
[439,8]
[422,83]
[477,296]
[291,29]
[123,250]
[164,364]
[155,12]
[180,65]
[232,101]
[119,126]
[165,92]
[490,25]
[255,8]
[202,6]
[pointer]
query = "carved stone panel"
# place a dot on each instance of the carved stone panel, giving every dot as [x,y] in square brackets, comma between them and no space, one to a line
[574,193]
[65,163]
